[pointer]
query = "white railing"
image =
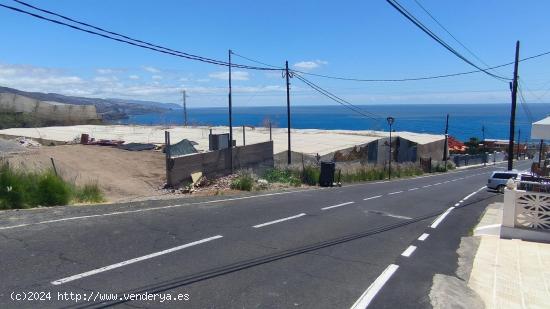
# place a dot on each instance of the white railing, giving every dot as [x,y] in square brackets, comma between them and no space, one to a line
[526,210]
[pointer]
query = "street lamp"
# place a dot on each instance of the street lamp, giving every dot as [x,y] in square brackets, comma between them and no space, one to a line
[390,120]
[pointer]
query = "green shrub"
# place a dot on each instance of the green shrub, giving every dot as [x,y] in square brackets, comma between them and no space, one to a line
[52,190]
[310,175]
[283,176]
[243,182]
[19,189]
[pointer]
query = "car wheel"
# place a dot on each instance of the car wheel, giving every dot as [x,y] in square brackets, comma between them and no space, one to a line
[500,189]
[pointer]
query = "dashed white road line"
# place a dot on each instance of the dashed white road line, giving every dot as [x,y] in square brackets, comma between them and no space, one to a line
[396,192]
[423,237]
[427,186]
[135,260]
[441,217]
[335,206]
[279,220]
[366,298]
[372,197]
[457,204]
[408,251]
[437,183]
[413,189]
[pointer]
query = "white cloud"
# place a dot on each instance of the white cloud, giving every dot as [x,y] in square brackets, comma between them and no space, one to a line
[310,65]
[151,69]
[134,77]
[105,79]
[106,71]
[236,75]
[156,77]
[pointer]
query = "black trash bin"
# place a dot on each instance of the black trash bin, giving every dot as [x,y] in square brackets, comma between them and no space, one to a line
[326,179]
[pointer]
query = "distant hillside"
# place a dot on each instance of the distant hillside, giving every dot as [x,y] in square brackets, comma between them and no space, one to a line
[109,109]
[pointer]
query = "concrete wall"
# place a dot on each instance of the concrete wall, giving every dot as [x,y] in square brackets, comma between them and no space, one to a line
[216,163]
[432,150]
[62,113]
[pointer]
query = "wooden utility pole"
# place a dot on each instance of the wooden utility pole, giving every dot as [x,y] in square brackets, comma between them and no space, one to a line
[445,147]
[288,108]
[230,119]
[514,86]
[184,108]
[519,143]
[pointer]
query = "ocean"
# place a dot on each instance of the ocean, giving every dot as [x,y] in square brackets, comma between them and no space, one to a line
[465,120]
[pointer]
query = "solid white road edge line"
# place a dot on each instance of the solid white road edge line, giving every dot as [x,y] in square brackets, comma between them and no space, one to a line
[408,251]
[372,197]
[339,205]
[366,298]
[279,220]
[423,237]
[135,260]
[441,217]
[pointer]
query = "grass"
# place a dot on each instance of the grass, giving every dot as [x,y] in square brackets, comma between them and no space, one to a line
[243,182]
[20,189]
[285,176]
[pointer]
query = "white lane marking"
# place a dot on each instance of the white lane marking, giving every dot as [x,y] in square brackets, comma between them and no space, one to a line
[457,204]
[423,237]
[437,184]
[446,181]
[487,227]
[427,186]
[396,192]
[131,261]
[387,214]
[408,251]
[279,220]
[375,287]
[412,189]
[441,217]
[372,197]
[155,208]
[339,205]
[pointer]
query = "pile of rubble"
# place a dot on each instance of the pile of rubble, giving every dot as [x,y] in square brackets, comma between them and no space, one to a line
[27,142]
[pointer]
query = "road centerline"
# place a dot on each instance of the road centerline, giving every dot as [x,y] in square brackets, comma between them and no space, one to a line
[335,206]
[278,220]
[423,237]
[372,197]
[396,192]
[131,261]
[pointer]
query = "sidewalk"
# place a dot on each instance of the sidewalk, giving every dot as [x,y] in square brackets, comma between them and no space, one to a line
[509,273]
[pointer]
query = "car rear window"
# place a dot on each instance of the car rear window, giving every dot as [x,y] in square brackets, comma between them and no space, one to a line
[504,175]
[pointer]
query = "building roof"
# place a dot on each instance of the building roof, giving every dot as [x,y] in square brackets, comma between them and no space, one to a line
[541,129]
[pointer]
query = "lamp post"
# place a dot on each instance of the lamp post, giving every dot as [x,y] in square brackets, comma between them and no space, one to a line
[390,122]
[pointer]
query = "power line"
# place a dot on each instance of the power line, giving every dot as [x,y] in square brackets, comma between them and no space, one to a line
[339,100]
[448,32]
[125,39]
[393,79]
[426,30]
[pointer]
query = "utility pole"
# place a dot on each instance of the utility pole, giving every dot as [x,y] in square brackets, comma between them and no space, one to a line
[485,155]
[230,119]
[514,86]
[445,147]
[519,143]
[184,108]
[540,152]
[288,108]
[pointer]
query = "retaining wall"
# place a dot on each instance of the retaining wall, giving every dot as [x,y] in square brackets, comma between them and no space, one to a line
[217,163]
[53,111]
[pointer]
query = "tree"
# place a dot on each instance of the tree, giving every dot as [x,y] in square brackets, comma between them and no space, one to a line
[474,146]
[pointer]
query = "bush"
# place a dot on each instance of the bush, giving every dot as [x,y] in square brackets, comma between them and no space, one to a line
[52,190]
[310,175]
[243,182]
[375,172]
[20,189]
[283,176]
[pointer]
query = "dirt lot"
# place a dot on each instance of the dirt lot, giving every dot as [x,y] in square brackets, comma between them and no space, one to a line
[122,175]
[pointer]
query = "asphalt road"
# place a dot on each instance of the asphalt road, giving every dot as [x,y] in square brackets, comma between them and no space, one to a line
[323,248]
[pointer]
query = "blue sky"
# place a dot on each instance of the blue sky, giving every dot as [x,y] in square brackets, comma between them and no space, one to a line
[364,39]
